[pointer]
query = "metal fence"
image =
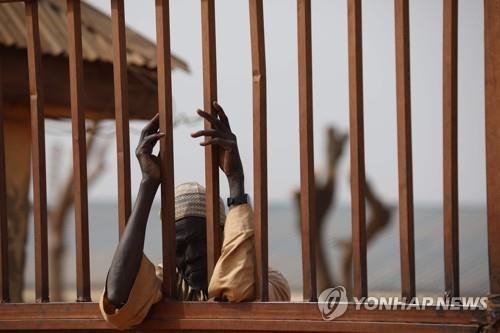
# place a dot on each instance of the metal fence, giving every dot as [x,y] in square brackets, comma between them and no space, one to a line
[259,315]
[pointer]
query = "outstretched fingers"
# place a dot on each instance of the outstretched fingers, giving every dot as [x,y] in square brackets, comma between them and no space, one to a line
[208,132]
[151,127]
[225,144]
[210,118]
[153,138]
[222,115]
[148,142]
[220,134]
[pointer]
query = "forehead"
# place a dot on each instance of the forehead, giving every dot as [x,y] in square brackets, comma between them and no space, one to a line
[190,226]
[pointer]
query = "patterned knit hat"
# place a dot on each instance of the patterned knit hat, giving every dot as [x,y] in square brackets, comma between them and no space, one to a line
[190,201]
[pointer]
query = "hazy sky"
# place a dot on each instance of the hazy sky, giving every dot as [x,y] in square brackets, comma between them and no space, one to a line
[330,74]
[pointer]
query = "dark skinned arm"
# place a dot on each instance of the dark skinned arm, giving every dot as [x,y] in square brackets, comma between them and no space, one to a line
[128,255]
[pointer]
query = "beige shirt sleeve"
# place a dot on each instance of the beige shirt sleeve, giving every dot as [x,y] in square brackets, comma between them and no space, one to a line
[233,278]
[145,292]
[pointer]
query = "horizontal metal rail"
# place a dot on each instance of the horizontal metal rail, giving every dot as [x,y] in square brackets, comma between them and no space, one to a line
[291,317]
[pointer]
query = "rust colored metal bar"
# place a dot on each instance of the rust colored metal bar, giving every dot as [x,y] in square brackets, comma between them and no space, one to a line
[492,62]
[450,161]
[121,111]
[407,241]
[211,162]
[79,151]
[163,56]
[38,152]
[357,149]
[257,311]
[4,249]
[307,187]
[289,317]
[259,146]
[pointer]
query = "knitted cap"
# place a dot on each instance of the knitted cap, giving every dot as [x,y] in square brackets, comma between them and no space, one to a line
[190,201]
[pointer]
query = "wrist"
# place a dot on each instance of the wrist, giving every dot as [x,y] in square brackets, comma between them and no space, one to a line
[236,185]
[150,182]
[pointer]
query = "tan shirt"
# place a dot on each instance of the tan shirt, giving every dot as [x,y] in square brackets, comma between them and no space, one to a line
[233,277]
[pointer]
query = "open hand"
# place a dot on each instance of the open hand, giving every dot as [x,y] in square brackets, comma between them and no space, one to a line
[221,136]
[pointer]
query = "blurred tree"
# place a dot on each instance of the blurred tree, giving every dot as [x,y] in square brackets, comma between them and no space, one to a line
[378,218]
[325,200]
[63,202]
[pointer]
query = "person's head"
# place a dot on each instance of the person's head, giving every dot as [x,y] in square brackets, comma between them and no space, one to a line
[190,233]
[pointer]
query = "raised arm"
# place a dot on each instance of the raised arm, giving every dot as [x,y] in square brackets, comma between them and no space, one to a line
[229,157]
[128,255]
[233,278]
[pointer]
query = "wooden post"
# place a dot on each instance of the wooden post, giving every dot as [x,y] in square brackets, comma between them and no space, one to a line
[407,241]
[211,152]
[38,152]
[307,187]
[79,151]
[357,146]
[450,149]
[121,111]
[4,237]
[492,62]
[166,147]
[259,146]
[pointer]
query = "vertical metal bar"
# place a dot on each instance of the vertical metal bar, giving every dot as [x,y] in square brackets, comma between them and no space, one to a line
[492,61]
[38,152]
[121,111]
[79,151]
[450,162]
[357,146]
[4,237]
[307,193]
[259,145]
[211,162]
[407,242]
[166,147]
